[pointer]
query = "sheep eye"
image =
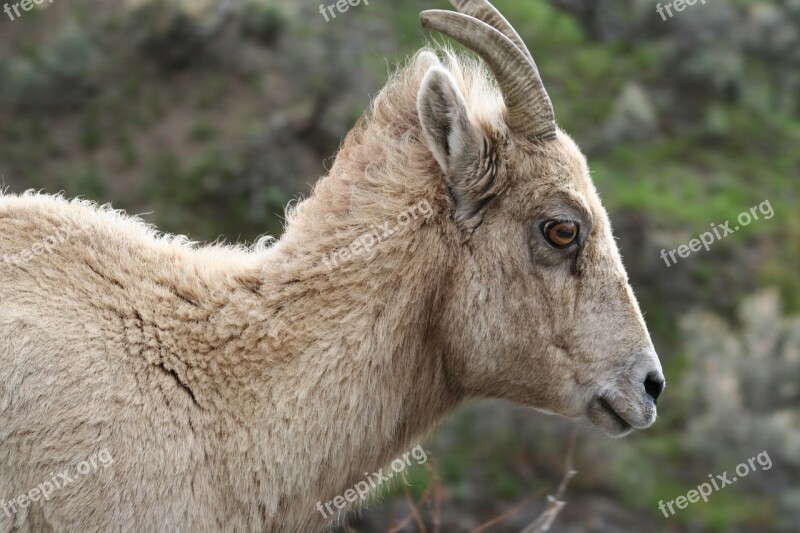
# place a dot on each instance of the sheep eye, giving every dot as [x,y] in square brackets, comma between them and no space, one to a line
[560,233]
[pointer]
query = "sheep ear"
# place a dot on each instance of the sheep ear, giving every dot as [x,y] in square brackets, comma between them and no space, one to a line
[456,143]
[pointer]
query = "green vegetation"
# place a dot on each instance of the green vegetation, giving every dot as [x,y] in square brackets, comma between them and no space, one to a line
[265,20]
[57,75]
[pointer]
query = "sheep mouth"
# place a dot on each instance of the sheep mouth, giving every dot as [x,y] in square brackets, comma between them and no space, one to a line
[605,417]
[613,414]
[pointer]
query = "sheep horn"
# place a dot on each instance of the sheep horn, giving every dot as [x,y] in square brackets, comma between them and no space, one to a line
[530,111]
[485,11]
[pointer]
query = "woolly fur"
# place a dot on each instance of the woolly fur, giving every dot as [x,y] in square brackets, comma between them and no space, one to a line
[234,388]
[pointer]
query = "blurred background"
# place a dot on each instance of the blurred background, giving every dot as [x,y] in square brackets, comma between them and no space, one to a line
[208,116]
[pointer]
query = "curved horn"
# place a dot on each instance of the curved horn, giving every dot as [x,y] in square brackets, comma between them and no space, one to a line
[530,111]
[485,11]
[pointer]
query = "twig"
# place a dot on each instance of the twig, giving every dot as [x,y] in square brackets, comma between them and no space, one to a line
[506,515]
[400,525]
[436,514]
[415,512]
[554,503]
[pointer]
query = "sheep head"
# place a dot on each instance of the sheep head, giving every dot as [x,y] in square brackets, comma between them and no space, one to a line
[539,309]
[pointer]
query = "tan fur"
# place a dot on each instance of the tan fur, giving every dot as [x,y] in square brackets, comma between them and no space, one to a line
[237,388]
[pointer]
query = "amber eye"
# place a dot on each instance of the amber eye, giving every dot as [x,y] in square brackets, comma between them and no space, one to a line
[559,233]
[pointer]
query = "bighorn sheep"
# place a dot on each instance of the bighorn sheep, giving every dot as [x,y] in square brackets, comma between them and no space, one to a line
[235,389]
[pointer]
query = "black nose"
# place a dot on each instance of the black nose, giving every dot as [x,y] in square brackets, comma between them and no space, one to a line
[654,385]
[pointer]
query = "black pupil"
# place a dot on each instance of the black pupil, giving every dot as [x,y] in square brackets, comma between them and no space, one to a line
[565,231]
[560,234]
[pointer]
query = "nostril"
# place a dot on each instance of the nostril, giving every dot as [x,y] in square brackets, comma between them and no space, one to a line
[654,385]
